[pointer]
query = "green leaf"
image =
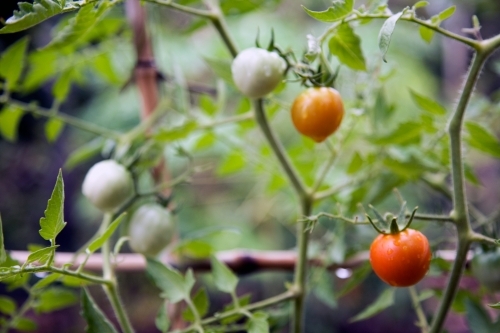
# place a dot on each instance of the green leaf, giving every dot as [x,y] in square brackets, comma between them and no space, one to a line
[233,162]
[477,318]
[356,164]
[337,11]
[46,281]
[471,176]
[10,116]
[53,222]
[225,280]
[42,65]
[385,300]
[53,128]
[426,33]
[3,254]
[24,324]
[346,46]
[358,276]
[99,241]
[12,62]
[221,68]
[208,105]
[194,248]
[53,299]
[201,303]
[104,66]
[173,285]
[421,4]
[41,255]
[405,134]
[242,301]
[205,141]
[74,282]
[84,153]
[176,133]
[79,25]
[162,321]
[62,86]
[96,320]
[29,14]
[482,139]
[427,104]
[323,290]
[7,305]
[385,34]
[258,323]
[447,13]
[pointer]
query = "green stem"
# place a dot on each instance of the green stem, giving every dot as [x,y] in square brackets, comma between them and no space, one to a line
[460,211]
[279,151]
[67,119]
[422,320]
[452,286]
[111,289]
[185,9]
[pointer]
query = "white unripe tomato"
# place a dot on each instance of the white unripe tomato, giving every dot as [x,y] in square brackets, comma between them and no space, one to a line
[256,72]
[108,185]
[151,229]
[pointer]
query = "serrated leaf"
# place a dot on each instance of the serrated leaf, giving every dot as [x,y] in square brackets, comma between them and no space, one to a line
[258,323]
[53,222]
[79,26]
[221,68]
[482,139]
[173,285]
[233,162]
[427,104]
[225,280]
[205,141]
[10,116]
[74,282]
[46,281]
[29,14]
[208,105]
[12,62]
[346,46]
[356,164]
[7,305]
[385,34]
[383,301]
[426,33]
[194,248]
[337,11]
[447,13]
[201,303]
[176,133]
[53,128]
[103,66]
[53,299]
[84,153]
[96,320]
[162,321]
[99,241]
[478,319]
[41,255]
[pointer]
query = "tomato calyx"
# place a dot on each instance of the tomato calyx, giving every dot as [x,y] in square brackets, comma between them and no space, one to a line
[390,225]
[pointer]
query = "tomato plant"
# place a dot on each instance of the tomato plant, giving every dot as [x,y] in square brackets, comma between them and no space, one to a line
[401,259]
[151,229]
[256,72]
[108,185]
[317,112]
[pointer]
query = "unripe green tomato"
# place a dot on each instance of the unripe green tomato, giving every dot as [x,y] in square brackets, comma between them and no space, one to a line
[151,229]
[256,72]
[485,267]
[108,185]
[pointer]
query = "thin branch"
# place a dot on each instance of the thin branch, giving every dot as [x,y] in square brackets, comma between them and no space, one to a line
[480,238]
[65,118]
[422,320]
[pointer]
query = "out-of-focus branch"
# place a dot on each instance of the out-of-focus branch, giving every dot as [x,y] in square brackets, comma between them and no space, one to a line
[240,261]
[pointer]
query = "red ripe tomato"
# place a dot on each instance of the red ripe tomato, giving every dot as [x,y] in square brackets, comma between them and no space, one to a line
[401,259]
[317,112]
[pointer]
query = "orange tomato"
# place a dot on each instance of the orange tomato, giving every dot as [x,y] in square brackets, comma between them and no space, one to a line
[317,112]
[401,259]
